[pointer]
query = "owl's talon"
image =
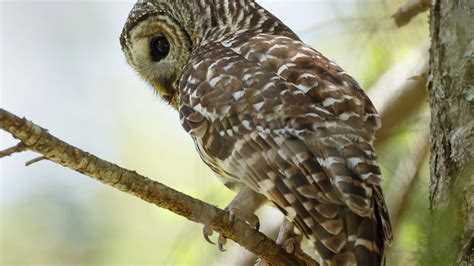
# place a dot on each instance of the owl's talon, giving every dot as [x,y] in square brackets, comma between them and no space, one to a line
[207,232]
[257,262]
[221,248]
[288,239]
[260,262]
[290,246]
[250,218]
[242,207]
[221,241]
[291,243]
[231,215]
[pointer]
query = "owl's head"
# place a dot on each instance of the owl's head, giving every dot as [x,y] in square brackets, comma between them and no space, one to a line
[160,35]
[157,46]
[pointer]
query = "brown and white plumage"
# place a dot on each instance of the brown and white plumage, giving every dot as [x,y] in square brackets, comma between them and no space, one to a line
[272,114]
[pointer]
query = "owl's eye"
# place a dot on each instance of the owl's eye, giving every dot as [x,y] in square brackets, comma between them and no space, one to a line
[160,48]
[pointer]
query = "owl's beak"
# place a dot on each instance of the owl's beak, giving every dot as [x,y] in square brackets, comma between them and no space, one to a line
[161,89]
[167,94]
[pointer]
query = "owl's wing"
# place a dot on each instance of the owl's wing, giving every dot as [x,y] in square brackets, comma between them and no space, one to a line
[302,130]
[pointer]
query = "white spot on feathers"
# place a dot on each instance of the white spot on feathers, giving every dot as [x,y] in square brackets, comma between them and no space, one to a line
[330,101]
[246,77]
[347,116]
[266,185]
[284,67]
[327,162]
[277,46]
[309,222]
[246,124]
[297,55]
[237,95]
[303,88]
[290,198]
[258,106]
[367,244]
[353,161]
[214,81]
[291,213]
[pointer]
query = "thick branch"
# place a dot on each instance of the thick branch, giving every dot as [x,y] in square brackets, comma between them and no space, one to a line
[39,140]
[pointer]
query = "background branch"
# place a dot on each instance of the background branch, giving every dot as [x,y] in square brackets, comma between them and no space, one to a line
[399,93]
[410,10]
[405,177]
[41,141]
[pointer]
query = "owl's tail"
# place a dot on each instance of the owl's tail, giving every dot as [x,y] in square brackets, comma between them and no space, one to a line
[362,240]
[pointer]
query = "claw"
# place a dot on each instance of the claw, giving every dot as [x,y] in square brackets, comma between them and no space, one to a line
[243,207]
[231,215]
[221,241]
[260,262]
[251,218]
[257,262]
[221,248]
[290,246]
[291,242]
[207,232]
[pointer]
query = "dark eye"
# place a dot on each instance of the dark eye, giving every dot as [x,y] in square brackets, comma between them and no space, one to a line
[160,48]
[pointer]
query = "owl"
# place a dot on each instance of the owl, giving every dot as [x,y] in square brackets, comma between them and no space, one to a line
[277,121]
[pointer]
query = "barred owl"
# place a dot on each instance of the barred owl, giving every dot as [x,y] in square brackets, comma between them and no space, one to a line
[274,119]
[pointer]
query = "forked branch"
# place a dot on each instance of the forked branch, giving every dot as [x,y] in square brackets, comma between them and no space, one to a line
[39,140]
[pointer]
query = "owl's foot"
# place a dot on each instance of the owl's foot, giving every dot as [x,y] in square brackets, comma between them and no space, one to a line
[291,243]
[243,214]
[251,219]
[288,239]
[207,231]
[242,207]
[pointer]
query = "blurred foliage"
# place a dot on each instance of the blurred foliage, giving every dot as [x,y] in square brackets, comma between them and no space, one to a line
[87,223]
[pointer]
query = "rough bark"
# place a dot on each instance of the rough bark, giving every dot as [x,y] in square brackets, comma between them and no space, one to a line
[451,88]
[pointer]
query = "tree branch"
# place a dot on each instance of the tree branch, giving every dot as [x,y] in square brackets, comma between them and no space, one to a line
[41,141]
[406,174]
[399,93]
[20,147]
[409,10]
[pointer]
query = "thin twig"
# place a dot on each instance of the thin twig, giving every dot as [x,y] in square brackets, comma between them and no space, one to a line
[20,147]
[41,141]
[410,10]
[35,160]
